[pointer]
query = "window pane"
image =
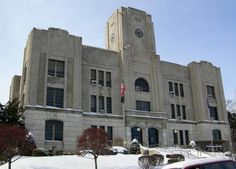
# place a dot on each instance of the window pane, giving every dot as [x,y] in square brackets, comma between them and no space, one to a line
[181,87]
[176,89]
[110,132]
[213,113]
[178,111]
[60,69]
[108,79]
[175,136]
[186,137]
[93,103]
[101,78]
[170,86]
[93,75]
[138,105]
[50,96]
[109,105]
[172,109]
[59,97]
[101,104]
[51,67]
[210,92]
[146,106]
[184,112]
[181,137]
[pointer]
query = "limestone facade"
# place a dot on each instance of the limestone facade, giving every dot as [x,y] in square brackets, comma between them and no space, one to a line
[165,103]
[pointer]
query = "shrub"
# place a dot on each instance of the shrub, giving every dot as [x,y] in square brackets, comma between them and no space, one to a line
[147,161]
[175,158]
[40,152]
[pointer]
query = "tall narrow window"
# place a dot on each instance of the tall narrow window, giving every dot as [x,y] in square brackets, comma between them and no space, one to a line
[184,112]
[175,136]
[171,90]
[181,136]
[93,126]
[108,79]
[186,137]
[181,88]
[176,89]
[54,130]
[216,135]
[210,92]
[109,105]
[55,68]
[110,132]
[55,97]
[172,109]
[178,111]
[142,105]
[93,103]
[93,76]
[101,78]
[101,104]
[213,113]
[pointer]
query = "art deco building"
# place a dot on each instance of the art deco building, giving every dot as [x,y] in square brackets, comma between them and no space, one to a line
[67,87]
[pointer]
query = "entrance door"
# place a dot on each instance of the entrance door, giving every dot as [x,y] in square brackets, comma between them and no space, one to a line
[153,137]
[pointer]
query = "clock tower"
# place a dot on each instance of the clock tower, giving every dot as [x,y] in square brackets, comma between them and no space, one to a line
[129,27]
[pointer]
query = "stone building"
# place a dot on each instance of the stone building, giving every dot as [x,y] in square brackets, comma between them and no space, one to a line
[67,87]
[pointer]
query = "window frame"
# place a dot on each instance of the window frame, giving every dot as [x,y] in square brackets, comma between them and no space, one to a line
[51,130]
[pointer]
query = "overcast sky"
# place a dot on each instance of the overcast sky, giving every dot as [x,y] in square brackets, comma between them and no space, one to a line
[185,30]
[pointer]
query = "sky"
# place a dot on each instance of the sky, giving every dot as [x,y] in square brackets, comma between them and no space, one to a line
[185,30]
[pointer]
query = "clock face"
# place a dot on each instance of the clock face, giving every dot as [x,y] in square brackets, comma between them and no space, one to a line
[112,37]
[139,33]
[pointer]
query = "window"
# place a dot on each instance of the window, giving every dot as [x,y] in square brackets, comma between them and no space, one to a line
[175,136]
[141,85]
[54,130]
[101,78]
[101,104]
[110,132]
[178,111]
[136,133]
[172,109]
[210,92]
[108,79]
[102,127]
[142,105]
[93,76]
[184,112]
[93,126]
[93,103]
[176,89]
[181,88]
[170,87]
[109,105]
[216,135]
[55,97]
[186,137]
[213,113]
[55,68]
[181,136]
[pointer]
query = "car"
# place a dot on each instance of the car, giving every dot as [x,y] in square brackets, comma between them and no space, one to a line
[206,163]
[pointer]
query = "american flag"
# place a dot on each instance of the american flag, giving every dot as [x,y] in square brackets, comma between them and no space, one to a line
[122,91]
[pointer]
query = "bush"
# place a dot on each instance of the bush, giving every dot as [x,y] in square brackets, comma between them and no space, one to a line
[147,161]
[135,147]
[175,158]
[40,152]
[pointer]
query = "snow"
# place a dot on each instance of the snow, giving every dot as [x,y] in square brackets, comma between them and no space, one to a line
[119,161]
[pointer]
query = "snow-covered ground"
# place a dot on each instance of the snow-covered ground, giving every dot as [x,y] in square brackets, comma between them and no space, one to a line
[119,161]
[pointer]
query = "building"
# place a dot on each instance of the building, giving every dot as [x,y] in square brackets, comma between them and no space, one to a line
[67,87]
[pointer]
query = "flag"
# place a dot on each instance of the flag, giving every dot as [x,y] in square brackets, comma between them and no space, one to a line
[122,91]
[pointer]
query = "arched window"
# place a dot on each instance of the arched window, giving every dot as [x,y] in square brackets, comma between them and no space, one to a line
[141,85]
[216,135]
[54,130]
[153,137]
[136,133]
